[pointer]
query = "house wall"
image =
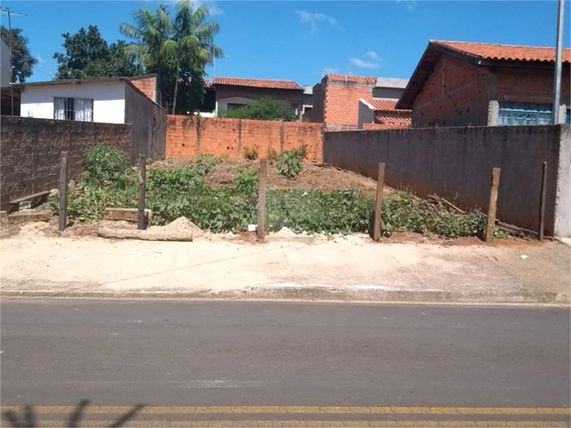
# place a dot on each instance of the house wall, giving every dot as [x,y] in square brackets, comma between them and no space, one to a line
[31,151]
[455,94]
[225,94]
[189,136]
[366,114]
[317,114]
[4,64]
[147,85]
[148,124]
[456,163]
[527,85]
[108,99]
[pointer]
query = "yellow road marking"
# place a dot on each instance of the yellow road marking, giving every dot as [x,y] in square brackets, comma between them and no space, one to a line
[302,410]
[314,423]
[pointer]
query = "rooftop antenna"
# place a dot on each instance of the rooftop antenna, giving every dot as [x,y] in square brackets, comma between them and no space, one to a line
[11,12]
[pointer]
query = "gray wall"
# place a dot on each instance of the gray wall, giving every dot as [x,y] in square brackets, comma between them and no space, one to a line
[31,151]
[148,124]
[456,163]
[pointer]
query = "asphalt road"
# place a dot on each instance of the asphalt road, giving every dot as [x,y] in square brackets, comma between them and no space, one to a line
[362,365]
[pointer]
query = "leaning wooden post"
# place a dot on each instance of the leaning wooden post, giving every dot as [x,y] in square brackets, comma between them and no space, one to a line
[62,220]
[262,199]
[493,204]
[141,223]
[542,201]
[379,202]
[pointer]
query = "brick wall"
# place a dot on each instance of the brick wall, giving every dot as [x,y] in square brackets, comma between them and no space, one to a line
[336,99]
[31,150]
[147,85]
[528,85]
[188,136]
[455,94]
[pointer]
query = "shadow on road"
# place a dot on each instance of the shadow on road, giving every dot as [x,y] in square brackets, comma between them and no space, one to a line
[28,418]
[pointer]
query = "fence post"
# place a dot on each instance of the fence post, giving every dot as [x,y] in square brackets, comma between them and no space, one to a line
[141,223]
[62,220]
[542,201]
[492,206]
[262,199]
[378,202]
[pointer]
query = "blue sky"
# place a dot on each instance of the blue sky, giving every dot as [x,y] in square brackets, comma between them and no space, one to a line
[302,41]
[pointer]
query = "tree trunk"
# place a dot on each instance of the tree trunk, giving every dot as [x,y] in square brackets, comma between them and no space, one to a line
[175,91]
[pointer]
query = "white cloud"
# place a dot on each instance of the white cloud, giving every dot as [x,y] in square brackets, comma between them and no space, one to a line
[371,60]
[408,4]
[312,18]
[330,70]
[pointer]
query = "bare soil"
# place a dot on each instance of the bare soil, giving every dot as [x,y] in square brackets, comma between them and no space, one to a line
[322,177]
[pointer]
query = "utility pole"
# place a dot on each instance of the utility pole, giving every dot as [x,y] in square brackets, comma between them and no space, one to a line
[558,54]
[10,12]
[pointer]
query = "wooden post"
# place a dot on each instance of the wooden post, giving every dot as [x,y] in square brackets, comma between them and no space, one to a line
[379,202]
[493,204]
[141,224]
[62,220]
[542,201]
[262,199]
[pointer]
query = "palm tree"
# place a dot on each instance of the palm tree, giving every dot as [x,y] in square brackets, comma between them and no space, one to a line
[173,48]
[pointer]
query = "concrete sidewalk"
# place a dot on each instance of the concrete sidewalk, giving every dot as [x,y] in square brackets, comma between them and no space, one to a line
[344,268]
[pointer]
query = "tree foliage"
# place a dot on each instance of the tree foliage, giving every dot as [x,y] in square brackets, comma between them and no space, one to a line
[264,108]
[177,49]
[22,60]
[87,55]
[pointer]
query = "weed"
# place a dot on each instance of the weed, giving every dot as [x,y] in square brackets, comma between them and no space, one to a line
[246,182]
[251,153]
[289,164]
[205,163]
[272,154]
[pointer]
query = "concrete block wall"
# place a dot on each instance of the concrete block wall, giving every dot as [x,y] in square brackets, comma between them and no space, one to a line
[31,150]
[189,136]
[456,163]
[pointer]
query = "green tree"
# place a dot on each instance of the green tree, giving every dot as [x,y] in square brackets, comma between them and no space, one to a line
[87,55]
[176,49]
[263,109]
[22,61]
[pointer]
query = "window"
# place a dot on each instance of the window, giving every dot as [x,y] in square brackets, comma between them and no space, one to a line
[511,114]
[79,109]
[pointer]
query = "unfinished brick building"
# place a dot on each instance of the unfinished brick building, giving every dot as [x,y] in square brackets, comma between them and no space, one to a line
[479,84]
[354,102]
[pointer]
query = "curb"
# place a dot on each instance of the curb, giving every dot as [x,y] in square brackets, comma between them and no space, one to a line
[320,293]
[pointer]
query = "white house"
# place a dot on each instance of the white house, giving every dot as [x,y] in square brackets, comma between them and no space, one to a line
[88,100]
[4,64]
[104,100]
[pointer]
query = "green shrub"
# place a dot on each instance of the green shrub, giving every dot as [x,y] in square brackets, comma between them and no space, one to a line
[289,164]
[107,165]
[251,153]
[205,163]
[265,108]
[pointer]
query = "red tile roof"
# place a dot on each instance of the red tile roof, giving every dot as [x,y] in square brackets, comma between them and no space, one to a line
[257,83]
[393,121]
[505,52]
[385,105]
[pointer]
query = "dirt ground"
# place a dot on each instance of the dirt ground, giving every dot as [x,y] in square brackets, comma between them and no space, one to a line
[80,230]
[322,177]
